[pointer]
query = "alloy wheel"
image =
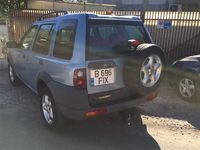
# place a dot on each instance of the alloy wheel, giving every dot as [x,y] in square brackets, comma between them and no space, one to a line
[187,88]
[47,109]
[151,70]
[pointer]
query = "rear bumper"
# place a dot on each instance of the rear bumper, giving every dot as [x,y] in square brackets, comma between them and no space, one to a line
[74,104]
[78,114]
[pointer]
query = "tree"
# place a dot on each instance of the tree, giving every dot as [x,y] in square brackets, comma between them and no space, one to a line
[9,5]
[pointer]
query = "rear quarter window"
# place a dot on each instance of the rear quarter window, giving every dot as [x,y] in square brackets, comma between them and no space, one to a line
[64,43]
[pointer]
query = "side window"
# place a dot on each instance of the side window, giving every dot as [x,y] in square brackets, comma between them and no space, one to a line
[42,41]
[64,43]
[28,38]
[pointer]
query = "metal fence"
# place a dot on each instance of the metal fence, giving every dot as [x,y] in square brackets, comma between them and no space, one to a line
[180,39]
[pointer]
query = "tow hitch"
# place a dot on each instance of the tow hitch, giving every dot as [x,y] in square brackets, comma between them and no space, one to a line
[132,117]
[127,117]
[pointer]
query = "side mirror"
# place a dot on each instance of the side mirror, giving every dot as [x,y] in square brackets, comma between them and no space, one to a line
[11,44]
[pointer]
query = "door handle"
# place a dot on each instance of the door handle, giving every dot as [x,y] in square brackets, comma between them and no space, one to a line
[40,61]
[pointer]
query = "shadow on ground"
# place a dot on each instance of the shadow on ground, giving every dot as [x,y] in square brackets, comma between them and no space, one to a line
[23,129]
[111,133]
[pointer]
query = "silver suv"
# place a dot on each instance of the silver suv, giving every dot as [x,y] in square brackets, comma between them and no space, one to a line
[86,65]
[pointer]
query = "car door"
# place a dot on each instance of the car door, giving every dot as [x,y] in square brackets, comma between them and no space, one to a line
[20,56]
[36,59]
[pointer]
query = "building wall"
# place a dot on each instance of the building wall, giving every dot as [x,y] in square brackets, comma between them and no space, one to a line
[187,1]
[135,4]
[42,4]
[104,1]
[127,2]
[130,2]
[143,5]
[158,2]
[189,5]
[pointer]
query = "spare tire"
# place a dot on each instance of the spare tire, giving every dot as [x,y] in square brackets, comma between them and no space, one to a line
[143,68]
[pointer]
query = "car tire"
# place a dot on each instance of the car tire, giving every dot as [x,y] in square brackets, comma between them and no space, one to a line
[143,69]
[187,89]
[14,80]
[50,113]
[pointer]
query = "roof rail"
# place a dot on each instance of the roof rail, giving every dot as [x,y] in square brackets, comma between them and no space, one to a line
[54,12]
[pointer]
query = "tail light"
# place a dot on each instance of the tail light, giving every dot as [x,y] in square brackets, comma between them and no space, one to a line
[79,78]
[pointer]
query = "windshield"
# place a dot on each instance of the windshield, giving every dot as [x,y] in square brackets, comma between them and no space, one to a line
[106,36]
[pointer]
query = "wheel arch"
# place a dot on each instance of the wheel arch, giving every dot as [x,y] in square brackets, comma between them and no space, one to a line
[9,59]
[153,47]
[42,81]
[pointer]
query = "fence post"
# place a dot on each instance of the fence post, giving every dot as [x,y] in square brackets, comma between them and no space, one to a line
[142,15]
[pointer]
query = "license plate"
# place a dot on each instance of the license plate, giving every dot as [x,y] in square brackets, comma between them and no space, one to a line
[102,76]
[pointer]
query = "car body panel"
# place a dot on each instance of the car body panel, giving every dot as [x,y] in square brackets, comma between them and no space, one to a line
[191,63]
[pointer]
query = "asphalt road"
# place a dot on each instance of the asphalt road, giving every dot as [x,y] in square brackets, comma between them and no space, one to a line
[170,125]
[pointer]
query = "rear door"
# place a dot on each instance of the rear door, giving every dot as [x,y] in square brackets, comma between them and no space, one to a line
[40,52]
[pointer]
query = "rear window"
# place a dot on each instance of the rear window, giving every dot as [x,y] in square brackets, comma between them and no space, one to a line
[104,36]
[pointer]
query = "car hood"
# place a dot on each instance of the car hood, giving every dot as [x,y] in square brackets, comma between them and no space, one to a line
[189,63]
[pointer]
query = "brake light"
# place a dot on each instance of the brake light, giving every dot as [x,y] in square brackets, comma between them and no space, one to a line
[79,78]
